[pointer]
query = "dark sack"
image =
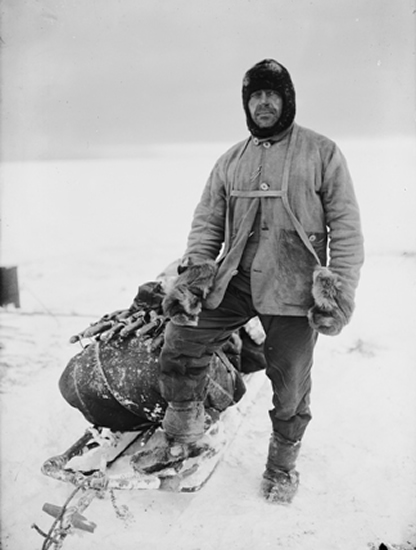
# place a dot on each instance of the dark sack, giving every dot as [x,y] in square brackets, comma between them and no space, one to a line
[115,384]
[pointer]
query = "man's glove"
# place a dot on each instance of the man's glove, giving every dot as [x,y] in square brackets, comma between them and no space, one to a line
[183,300]
[332,309]
[149,297]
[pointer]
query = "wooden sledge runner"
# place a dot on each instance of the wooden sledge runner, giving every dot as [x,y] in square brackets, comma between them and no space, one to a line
[101,460]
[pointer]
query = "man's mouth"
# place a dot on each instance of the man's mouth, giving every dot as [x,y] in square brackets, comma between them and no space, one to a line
[264,112]
[265,115]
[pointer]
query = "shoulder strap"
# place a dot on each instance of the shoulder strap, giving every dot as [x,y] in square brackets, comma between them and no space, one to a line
[285,184]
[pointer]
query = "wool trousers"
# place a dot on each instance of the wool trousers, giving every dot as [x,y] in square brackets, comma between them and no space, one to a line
[184,361]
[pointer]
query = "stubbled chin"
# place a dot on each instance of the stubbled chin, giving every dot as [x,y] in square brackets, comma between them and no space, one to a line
[265,122]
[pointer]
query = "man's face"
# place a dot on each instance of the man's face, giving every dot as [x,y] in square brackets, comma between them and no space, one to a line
[265,107]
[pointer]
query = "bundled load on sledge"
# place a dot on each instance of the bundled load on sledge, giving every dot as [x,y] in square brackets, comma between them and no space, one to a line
[113,382]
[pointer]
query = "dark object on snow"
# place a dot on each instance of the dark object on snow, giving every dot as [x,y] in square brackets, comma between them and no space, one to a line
[9,287]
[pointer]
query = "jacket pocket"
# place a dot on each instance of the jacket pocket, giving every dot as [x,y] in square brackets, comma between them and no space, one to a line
[296,266]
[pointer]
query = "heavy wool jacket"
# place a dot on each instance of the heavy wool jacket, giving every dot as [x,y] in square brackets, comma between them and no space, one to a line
[300,186]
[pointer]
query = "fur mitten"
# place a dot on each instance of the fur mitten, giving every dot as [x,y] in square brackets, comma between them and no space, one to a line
[183,301]
[332,309]
[149,296]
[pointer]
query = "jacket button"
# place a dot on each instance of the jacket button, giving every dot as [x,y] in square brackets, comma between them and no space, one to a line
[256,141]
[234,273]
[312,238]
[266,144]
[264,186]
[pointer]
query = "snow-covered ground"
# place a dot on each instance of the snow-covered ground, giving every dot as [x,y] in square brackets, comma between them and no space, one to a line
[84,235]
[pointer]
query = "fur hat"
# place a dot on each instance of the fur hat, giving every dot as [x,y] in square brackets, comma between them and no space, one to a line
[270,75]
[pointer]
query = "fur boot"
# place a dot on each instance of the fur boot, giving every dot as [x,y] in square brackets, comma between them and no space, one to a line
[183,426]
[281,480]
[184,422]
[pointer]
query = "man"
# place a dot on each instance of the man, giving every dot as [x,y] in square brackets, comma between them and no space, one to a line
[272,205]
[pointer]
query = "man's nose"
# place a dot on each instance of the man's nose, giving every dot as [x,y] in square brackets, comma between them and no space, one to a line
[264,98]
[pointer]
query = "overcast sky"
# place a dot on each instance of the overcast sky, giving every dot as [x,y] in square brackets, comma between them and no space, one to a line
[86,78]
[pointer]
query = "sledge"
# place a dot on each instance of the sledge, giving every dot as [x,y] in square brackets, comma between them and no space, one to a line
[113,382]
[102,460]
[78,520]
[105,459]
